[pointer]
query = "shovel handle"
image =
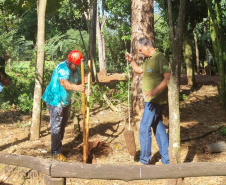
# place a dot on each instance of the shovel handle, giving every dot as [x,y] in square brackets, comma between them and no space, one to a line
[85,144]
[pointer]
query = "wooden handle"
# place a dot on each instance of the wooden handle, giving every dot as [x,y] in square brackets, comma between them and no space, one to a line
[87,109]
[85,144]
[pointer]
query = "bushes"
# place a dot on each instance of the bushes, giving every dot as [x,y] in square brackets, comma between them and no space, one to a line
[20,92]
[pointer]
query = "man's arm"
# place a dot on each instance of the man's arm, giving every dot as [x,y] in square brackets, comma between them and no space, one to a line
[134,65]
[70,86]
[160,87]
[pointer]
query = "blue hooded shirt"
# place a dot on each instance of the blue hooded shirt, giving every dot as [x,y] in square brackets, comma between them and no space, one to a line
[55,94]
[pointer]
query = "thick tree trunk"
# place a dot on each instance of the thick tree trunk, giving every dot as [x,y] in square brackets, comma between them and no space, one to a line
[142,24]
[100,38]
[196,53]
[37,103]
[188,58]
[174,88]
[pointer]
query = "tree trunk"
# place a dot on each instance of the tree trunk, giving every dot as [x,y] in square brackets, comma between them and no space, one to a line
[100,38]
[217,37]
[92,36]
[174,88]
[189,61]
[37,103]
[142,24]
[197,53]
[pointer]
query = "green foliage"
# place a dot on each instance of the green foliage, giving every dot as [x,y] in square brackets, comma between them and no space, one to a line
[25,102]
[223,131]
[162,35]
[117,93]
[119,13]
[115,52]
[121,91]
[21,125]
[5,105]
[20,92]
[58,46]
[184,96]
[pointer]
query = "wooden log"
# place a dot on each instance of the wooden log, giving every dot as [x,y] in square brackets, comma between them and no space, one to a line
[115,172]
[216,147]
[203,134]
[53,181]
[38,164]
[138,172]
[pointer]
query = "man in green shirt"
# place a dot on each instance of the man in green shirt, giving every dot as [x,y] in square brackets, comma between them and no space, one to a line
[156,73]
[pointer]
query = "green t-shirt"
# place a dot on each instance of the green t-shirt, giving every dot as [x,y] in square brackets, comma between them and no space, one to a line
[154,67]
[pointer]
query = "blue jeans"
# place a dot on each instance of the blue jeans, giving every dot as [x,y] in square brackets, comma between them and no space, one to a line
[58,121]
[152,117]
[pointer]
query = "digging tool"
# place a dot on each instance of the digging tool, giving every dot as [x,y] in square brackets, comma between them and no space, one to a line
[88,108]
[85,142]
[129,134]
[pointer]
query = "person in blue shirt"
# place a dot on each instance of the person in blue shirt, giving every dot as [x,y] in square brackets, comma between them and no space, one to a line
[65,80]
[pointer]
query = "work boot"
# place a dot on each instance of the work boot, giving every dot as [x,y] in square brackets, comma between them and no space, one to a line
[60,157]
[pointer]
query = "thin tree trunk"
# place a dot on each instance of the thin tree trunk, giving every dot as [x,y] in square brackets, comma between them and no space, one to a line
[92,36]
[100,38]
[188,58]
[174,88]
[37,104]
[142,24]
[196,52]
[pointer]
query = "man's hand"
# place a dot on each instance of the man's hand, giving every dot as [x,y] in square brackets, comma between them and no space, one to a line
[149,94]
[134,65]
[80,88]
[128,57]
[73,87]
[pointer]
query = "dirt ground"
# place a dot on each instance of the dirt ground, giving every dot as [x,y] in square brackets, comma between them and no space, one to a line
[200,113]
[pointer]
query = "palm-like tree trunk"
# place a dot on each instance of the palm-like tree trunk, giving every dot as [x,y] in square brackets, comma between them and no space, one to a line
[218,41]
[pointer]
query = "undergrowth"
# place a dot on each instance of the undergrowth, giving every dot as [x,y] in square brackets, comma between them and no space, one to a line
[20,93]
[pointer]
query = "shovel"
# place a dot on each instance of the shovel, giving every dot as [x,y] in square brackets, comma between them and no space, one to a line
[85,117]
[129,134]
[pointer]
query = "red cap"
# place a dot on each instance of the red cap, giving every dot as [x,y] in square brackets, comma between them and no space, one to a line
[75,57]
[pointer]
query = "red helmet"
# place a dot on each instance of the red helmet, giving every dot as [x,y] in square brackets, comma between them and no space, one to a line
[75,57]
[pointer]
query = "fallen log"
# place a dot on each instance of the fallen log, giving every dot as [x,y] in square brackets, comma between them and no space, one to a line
[115,172]
[38,164]
[203,134]
[216,147]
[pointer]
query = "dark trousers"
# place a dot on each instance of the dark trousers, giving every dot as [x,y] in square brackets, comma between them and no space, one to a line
[58,121]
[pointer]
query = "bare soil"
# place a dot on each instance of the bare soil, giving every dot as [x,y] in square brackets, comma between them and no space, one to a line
[200,113]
